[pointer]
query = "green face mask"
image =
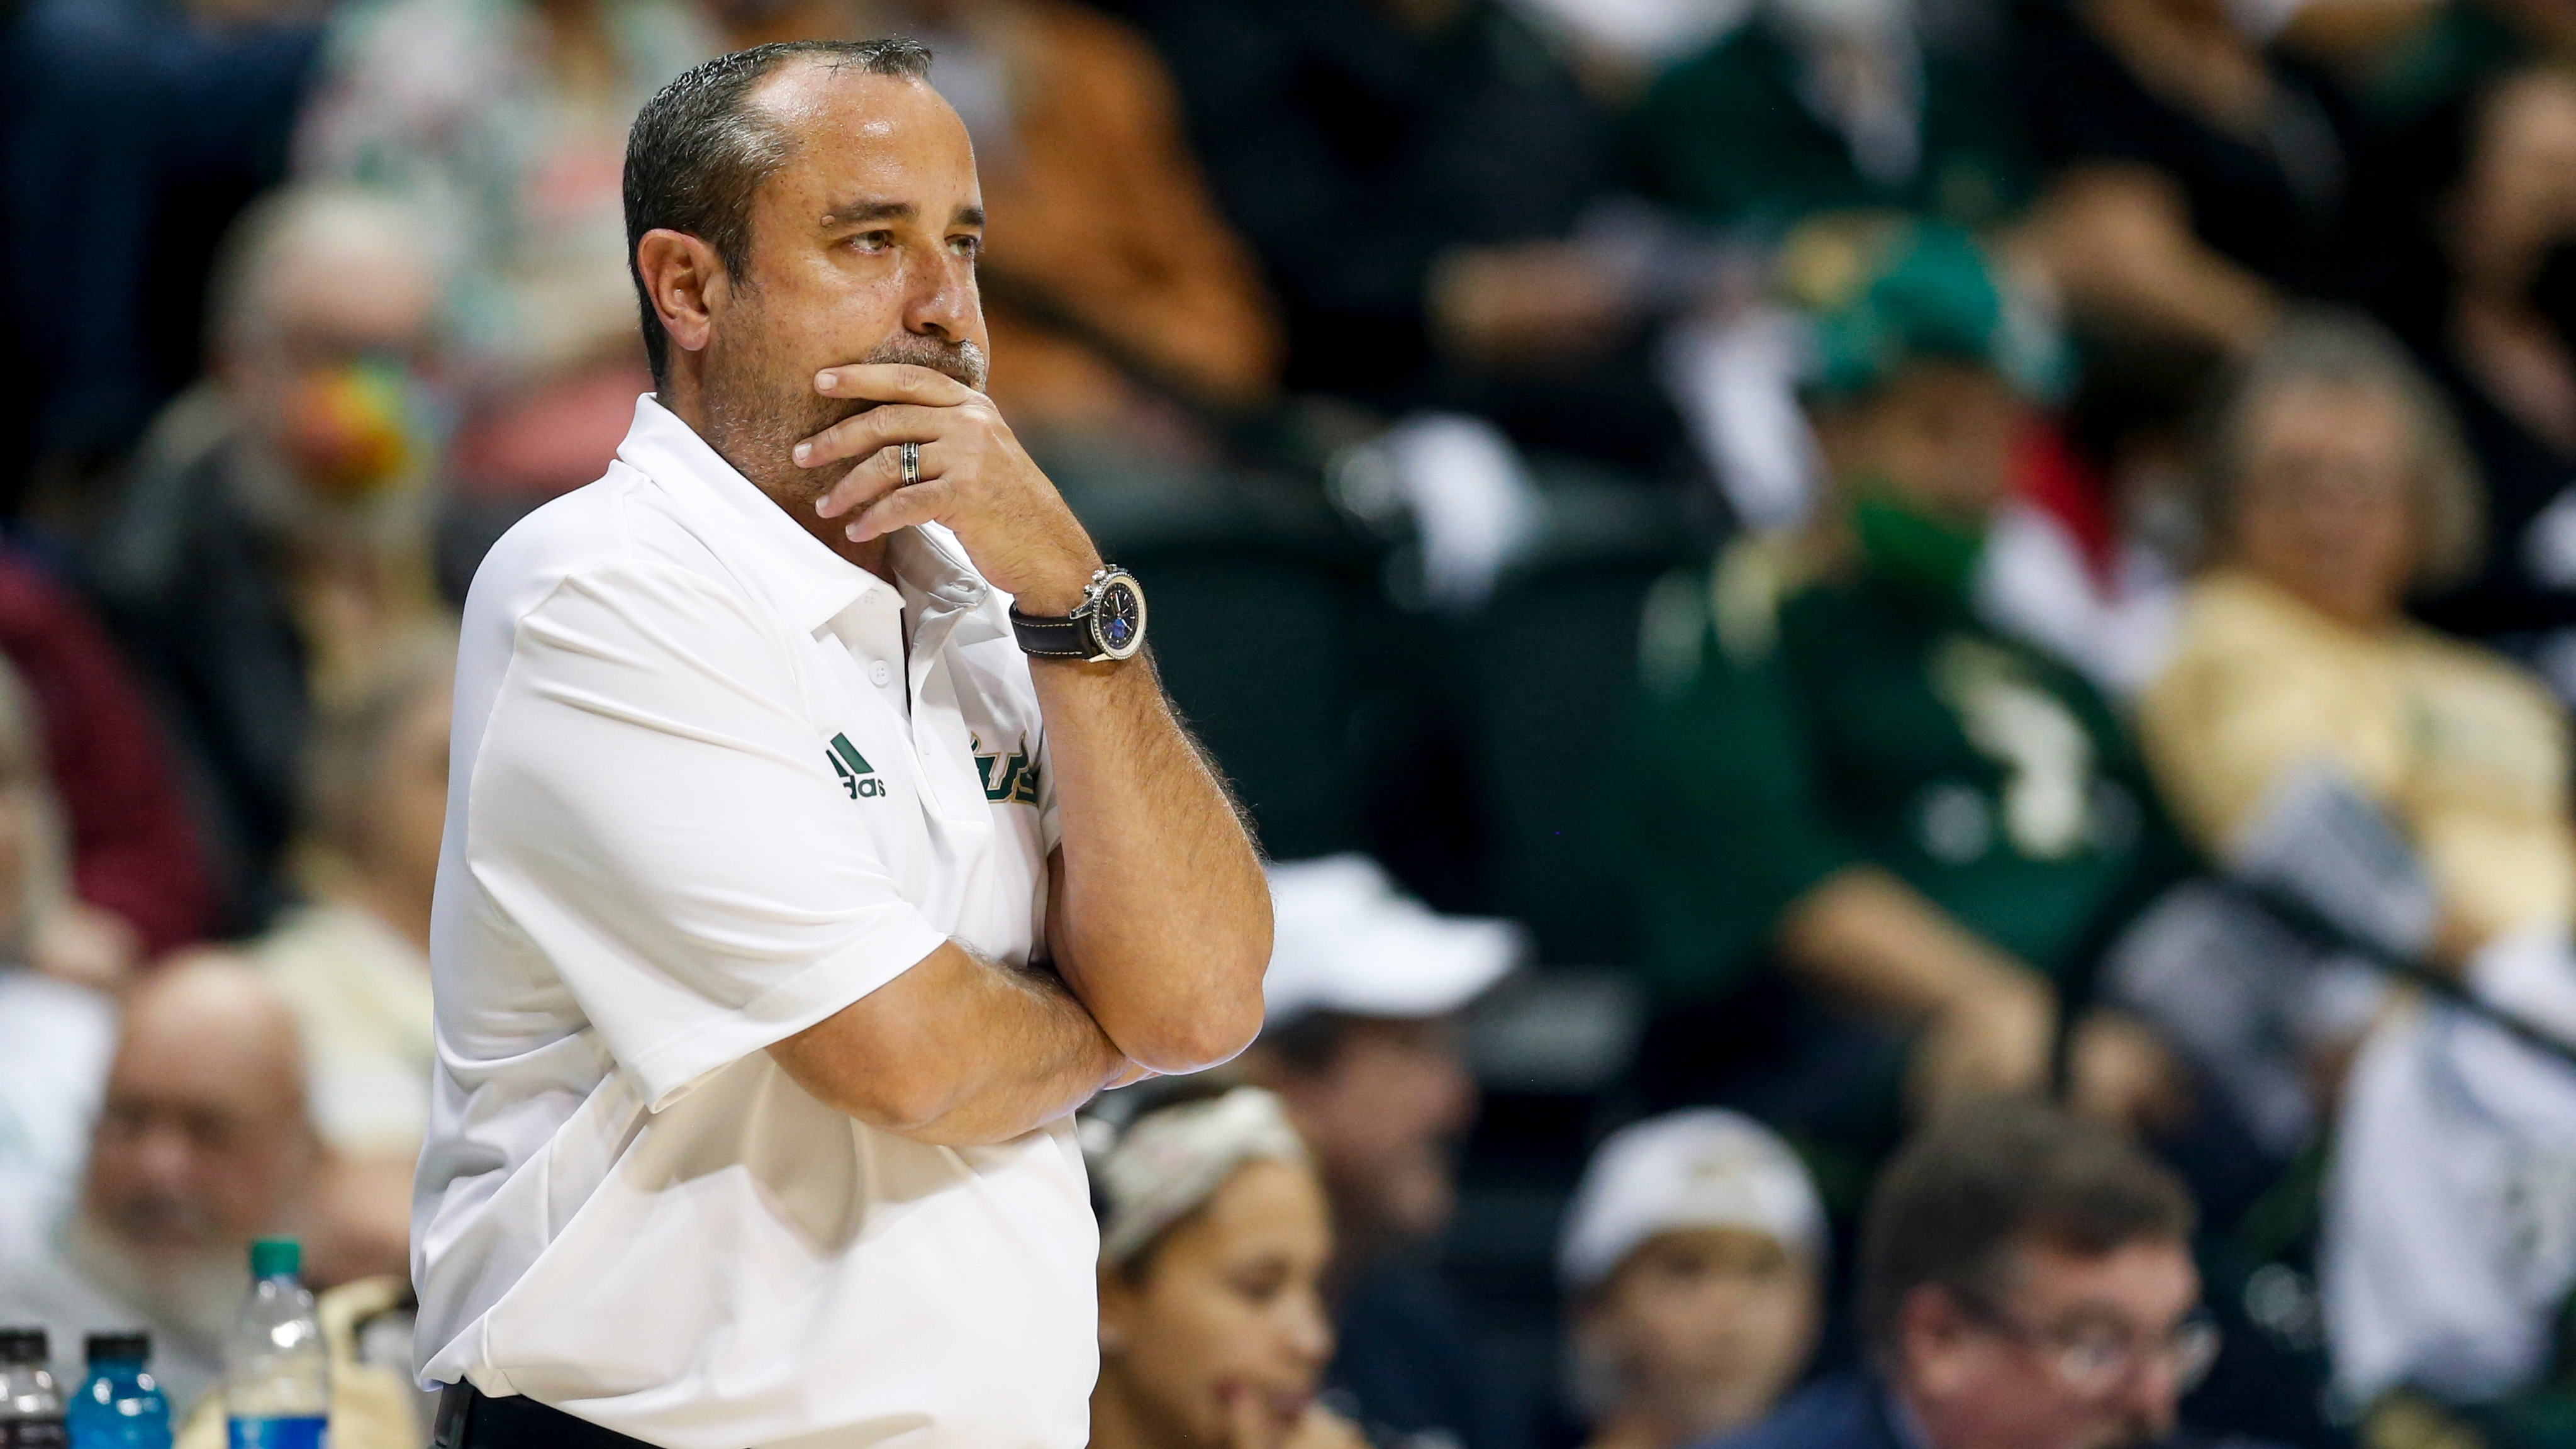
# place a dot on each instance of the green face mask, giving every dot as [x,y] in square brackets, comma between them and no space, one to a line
[1914,550]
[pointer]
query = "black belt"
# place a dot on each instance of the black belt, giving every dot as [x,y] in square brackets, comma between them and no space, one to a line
[471,1419]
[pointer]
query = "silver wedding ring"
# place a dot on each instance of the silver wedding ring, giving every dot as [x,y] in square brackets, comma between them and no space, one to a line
[911,464]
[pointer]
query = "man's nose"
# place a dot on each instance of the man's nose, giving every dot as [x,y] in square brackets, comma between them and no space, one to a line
[2151,1398]
[943,302]
[164,1154]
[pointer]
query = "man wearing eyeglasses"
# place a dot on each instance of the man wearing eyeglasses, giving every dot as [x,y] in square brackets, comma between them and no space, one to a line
[2026,1282]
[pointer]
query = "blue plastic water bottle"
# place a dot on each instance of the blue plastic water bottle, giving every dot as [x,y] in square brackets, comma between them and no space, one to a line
[277,1370]
[119,1406]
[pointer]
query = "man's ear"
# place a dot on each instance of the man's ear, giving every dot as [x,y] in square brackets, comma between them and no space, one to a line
[687,282]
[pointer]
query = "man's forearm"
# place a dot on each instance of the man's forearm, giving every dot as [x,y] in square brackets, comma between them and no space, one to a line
[1871,939]
[1160,917]
[957,1051]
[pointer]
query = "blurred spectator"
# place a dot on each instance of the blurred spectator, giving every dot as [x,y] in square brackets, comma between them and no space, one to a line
[132,132]
[274,535]
[1361,1042]
[1820,105]
[2196,180]
[503,124]
[2337,485]
[354,964]
[2025,1279]
[1122,309]
[55,1033]
[1848,788]
[1214,1236]
[1410,173]
[202,1145]
[1694,1258]
[2494,319]
[133,853]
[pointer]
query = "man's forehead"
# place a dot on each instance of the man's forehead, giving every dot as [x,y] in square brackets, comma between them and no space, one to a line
[861,136]
[2148,1275]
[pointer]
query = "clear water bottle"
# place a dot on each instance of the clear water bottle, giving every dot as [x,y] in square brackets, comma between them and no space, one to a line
[31,1408]
[277,1370]
[119,1406]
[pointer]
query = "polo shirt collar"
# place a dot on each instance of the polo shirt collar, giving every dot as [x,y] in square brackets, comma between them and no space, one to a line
[804,580]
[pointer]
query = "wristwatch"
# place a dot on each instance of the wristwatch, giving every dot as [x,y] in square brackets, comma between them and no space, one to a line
[1108,624]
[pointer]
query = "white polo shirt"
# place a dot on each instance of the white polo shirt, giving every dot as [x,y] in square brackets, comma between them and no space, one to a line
[700,801]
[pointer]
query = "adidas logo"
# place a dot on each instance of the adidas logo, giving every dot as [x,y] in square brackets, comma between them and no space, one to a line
[857,776]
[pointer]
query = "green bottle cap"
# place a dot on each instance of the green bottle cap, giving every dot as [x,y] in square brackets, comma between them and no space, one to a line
[276,1258]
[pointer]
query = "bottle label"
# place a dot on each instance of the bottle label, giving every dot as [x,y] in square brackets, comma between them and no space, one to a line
[34,1434]
[281,1434]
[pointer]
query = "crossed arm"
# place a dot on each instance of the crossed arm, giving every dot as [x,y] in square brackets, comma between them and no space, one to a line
[1158,920]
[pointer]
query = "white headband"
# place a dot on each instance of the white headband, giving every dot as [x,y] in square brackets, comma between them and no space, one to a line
[1171,1161]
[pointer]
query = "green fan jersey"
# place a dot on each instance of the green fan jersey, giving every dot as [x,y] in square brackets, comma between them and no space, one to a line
[1795,726]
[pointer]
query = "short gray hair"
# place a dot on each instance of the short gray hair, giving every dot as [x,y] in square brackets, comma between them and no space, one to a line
[2335,348]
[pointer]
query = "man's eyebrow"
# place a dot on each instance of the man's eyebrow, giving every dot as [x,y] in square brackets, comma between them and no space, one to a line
[968,216]
[851,213]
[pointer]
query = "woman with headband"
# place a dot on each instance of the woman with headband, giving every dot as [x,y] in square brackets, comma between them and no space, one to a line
[1213,1239]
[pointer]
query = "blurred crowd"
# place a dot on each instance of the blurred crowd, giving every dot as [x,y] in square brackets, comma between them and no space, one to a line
[1909,661]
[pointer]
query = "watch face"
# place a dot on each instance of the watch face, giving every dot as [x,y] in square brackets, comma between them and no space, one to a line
[1118,620]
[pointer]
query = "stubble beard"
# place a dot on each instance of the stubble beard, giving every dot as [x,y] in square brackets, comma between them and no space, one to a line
[760,405]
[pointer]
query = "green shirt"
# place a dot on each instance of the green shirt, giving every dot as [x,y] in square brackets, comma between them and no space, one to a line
[1800,728]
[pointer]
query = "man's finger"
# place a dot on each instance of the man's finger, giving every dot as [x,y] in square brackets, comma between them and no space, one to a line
[875,476]
[904,507]
[857,437]
[894,382]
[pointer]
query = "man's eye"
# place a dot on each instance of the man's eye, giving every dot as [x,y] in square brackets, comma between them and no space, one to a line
[967,246]
[873,241]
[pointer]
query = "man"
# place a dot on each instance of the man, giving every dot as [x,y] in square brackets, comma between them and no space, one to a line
[1361,1042]
[787,907]
[2026,1282]
[274,534]
[202,1145]
[1852,790]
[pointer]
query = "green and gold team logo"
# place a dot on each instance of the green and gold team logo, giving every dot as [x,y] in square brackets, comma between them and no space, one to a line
[1010,779]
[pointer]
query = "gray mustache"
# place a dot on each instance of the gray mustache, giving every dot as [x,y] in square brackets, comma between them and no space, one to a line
[962,361]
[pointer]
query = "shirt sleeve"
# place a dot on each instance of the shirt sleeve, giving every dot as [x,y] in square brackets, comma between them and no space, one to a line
[653,810]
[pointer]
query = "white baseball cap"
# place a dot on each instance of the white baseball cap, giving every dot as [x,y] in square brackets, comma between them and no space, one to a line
[1701,1168]
[1349,940]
